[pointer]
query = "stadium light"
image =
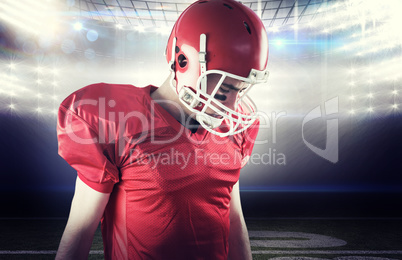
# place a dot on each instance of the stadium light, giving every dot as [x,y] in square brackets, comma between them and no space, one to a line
[374,25]
[35,17]
[77,26]
[278,42]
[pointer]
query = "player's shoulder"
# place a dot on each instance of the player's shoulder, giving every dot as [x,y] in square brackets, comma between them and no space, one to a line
[104,90]
[98,100]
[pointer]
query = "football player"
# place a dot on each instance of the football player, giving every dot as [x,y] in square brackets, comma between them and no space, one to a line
[159,167]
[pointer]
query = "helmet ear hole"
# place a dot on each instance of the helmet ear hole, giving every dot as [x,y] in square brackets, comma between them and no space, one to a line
[182,60]
[247,27]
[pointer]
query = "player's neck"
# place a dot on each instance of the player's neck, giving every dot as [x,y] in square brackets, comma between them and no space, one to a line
[166,93]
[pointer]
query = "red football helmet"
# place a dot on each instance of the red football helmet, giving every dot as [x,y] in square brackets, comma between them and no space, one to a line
[224,38]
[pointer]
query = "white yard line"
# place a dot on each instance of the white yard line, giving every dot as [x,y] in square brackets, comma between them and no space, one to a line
[40,252]
[270,252]
[328,252]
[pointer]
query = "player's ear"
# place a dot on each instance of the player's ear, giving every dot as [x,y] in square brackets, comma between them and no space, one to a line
[182,61]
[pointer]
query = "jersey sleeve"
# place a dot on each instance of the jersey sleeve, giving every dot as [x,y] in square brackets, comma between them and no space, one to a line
[80,146]
[249,139]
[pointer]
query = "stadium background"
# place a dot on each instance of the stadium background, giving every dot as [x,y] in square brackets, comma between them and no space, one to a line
[319,50]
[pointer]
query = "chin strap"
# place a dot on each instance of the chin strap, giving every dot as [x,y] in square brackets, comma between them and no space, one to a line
[208,122]
[258,76]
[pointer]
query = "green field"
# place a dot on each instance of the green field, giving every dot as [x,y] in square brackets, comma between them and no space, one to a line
[361,238]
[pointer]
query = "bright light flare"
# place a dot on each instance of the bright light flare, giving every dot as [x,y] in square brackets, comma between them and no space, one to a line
[140,28]
[77,26]
[278,42]
[40,69]
[12,86]
[35,17]
[55,71]
[374,25]
[164,30]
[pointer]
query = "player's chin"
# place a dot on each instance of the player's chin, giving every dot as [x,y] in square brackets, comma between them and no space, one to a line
[215,115]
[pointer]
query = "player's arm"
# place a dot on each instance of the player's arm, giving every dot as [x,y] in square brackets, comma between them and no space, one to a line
[239,243]
[86,211]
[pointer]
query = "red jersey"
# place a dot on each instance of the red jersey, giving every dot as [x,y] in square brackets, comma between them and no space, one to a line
[170,188]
